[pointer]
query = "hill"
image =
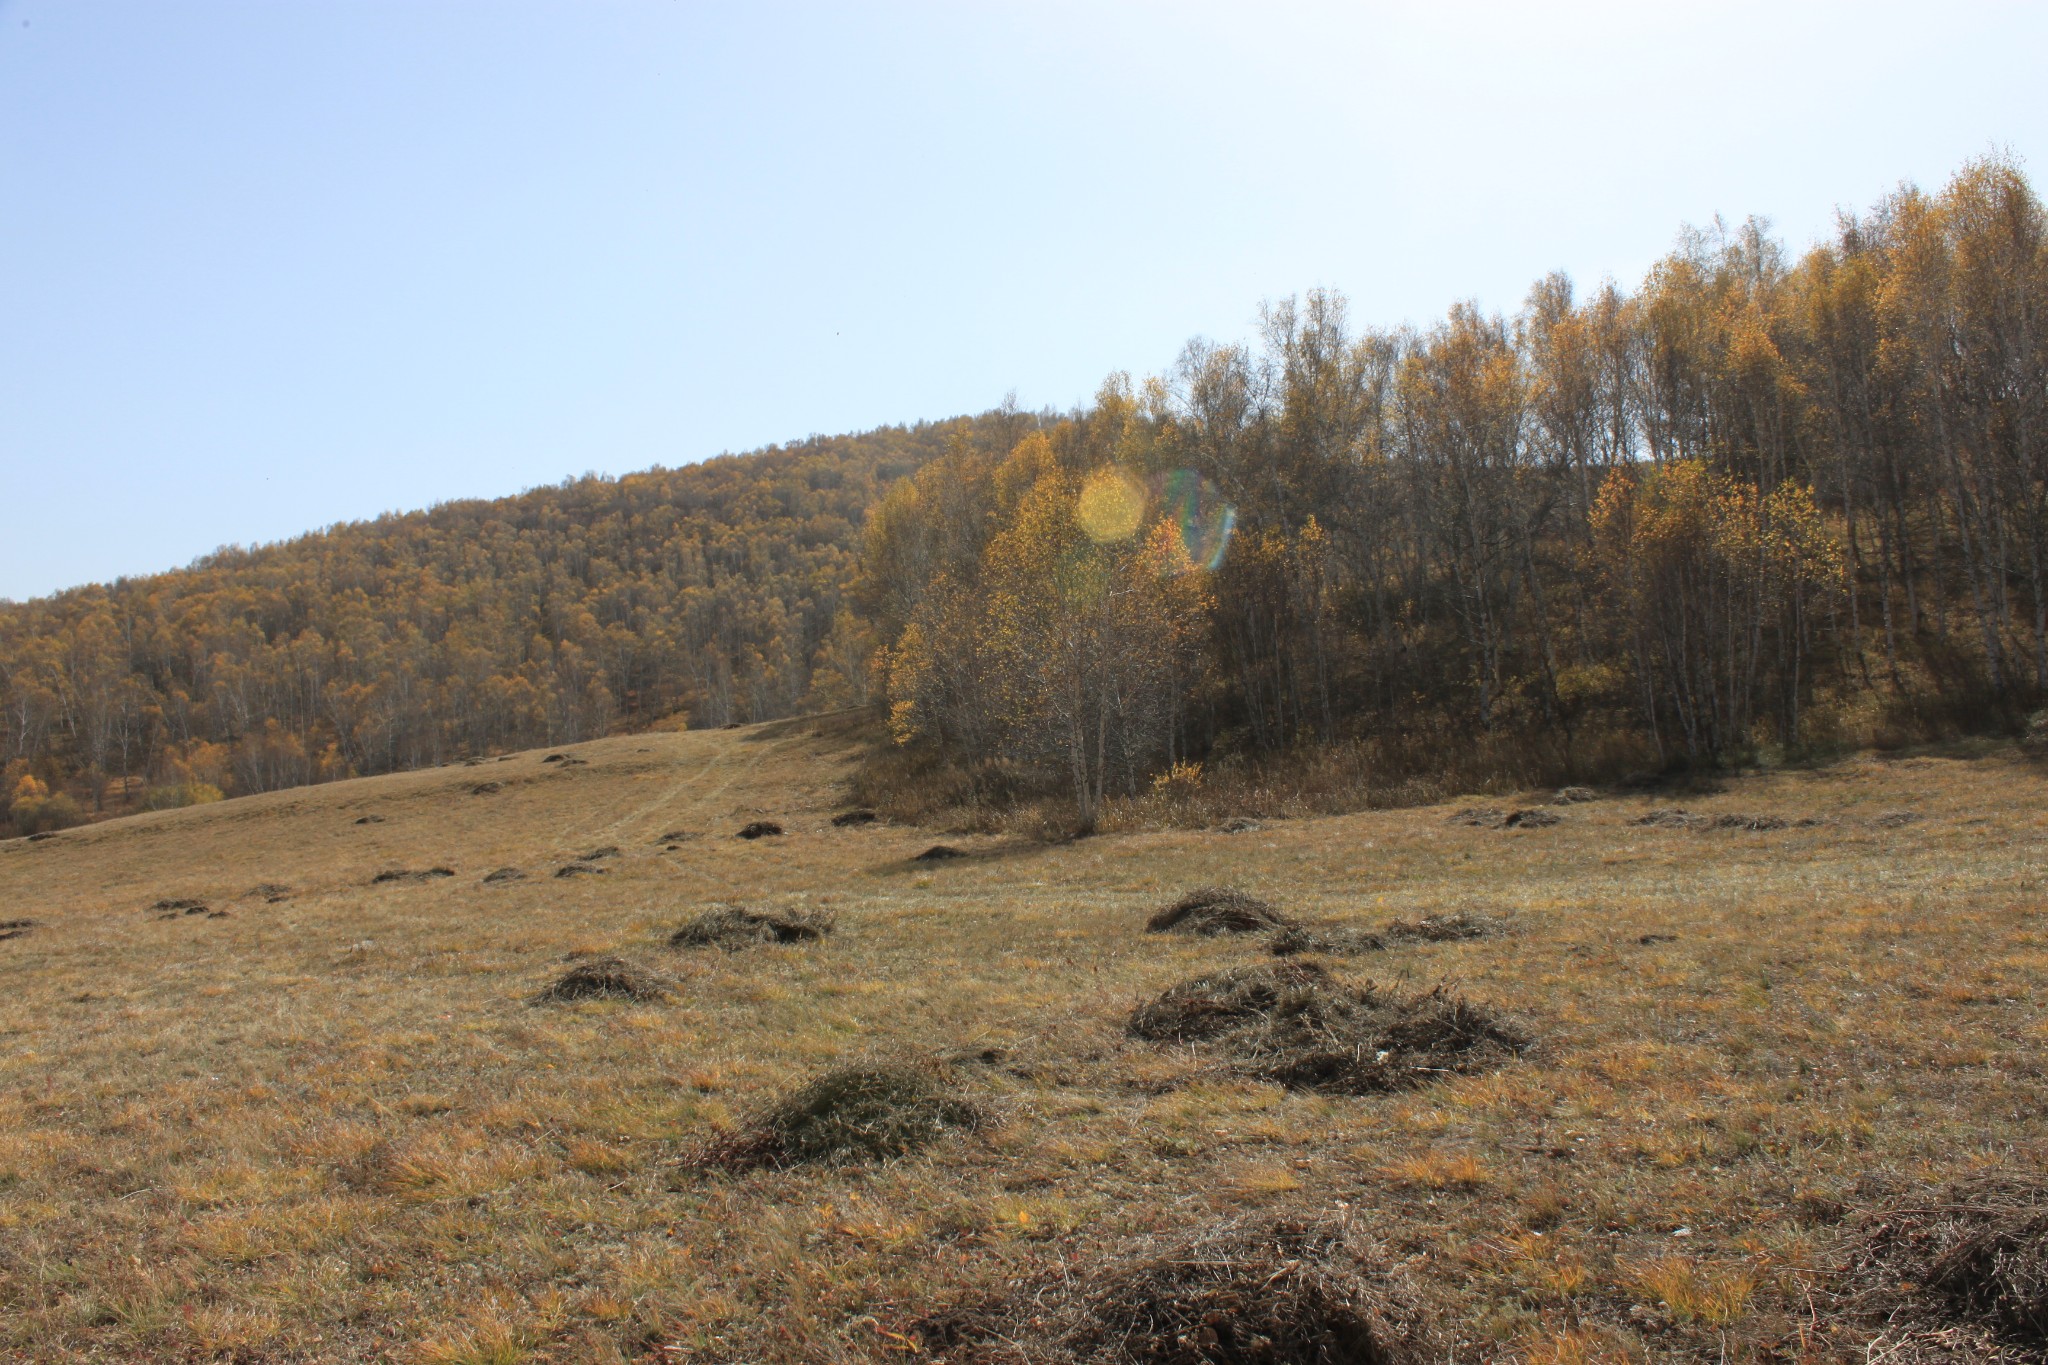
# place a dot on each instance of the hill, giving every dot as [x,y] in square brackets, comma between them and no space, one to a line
[331,1115]
[558,615]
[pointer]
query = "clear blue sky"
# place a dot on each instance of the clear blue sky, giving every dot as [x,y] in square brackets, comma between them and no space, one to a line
[270,265]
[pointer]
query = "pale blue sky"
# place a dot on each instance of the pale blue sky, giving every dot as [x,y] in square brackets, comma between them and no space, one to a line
[269,265]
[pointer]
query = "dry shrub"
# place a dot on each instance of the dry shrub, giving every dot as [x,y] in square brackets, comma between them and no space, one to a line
[609,978]
[1212,910]
[760,829]
[1328,939]
[1962,1275]
[1247,1291]
[1442,928]
[864,1112]
[734,926]
[1296,1025]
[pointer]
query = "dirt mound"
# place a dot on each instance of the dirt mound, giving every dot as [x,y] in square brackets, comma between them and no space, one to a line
[864,1112]
[1574,796]
[1329,939]
[1534,818]
[609,978]
[848,818]
[1250,1291]
[1755,823]
[1212,910]
[939,853]
[734,926]
[1959,1275]
[486,788]
[1297,1025]
[760,829]
[505,874]
[403,875]
[581,870]
[1451,928]
[1671,818]
[1210,1006]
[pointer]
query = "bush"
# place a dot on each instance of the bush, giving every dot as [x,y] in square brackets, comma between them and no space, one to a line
[40,814]
[173,795]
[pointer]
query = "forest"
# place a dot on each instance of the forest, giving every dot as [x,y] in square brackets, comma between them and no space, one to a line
[1752,507]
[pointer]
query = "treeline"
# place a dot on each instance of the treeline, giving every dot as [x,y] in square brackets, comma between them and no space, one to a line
[1754,503]
[716,590]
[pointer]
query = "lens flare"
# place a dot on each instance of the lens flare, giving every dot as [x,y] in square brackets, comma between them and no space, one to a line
[1197,507]
[1112,505]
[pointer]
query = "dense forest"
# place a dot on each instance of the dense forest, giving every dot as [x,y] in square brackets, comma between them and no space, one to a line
[1754,505]
[715,590]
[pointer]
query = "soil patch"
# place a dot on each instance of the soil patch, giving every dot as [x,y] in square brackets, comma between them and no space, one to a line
[615,978]
[403,875]
[1442,928]
[760,829]
[1290,1290]
[1298,1026]
[505,874]
[1212,910]
[849,818]
[1328,939]
[1960,1274]
[864,1112]
[734,926]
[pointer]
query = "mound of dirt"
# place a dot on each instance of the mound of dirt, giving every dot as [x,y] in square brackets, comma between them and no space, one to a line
[403,875]
[1756,823]
[1671,818]
[1212,910]
[369,819]
[1331,940]
[1239,824]
[939,853]
[1533,818]
[734,926]
[609,978]
[1298,1026]
[846,819]
[486,788]
[1213,1005]
[581,870]
[760,829]
[1574,796]
[1248,1291]
[505,874]
[1961,1274]
[1451,928]
[865,1112]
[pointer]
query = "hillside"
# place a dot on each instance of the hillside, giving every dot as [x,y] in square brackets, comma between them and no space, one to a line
[328,1118]
[564,613]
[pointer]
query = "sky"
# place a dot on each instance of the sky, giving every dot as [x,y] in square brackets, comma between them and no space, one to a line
[266,267]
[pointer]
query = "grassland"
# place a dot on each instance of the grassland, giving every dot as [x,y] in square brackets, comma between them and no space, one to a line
[333,1124]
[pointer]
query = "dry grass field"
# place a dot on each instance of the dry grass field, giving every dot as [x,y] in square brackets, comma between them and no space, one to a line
[332,1120]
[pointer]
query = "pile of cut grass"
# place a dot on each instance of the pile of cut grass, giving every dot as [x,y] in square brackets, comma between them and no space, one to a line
[735,926]
[870,1111]
[1212,910]
[600,978]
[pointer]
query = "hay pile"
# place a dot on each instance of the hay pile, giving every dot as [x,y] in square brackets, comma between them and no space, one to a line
[1265,1291]
[848,818]
[1573,796]
[404,875]
[600,978]
[760,829]
[487,789]
[1298,1026]
[1959,1275]
[580,870]
[734,926]
[505,874]
[1479,817]
[1442,928]
[273,893]
[1671,818]
[1212,910]
[172,907]
[15,928]
[866,1112]
[1754,823]
[597,854]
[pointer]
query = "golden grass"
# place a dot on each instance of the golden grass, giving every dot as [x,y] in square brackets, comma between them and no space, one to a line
[337,1128]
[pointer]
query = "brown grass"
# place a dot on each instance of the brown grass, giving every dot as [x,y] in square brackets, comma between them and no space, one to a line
[334,1129]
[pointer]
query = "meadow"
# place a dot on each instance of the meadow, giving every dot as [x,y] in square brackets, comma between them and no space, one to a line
[257,1105]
